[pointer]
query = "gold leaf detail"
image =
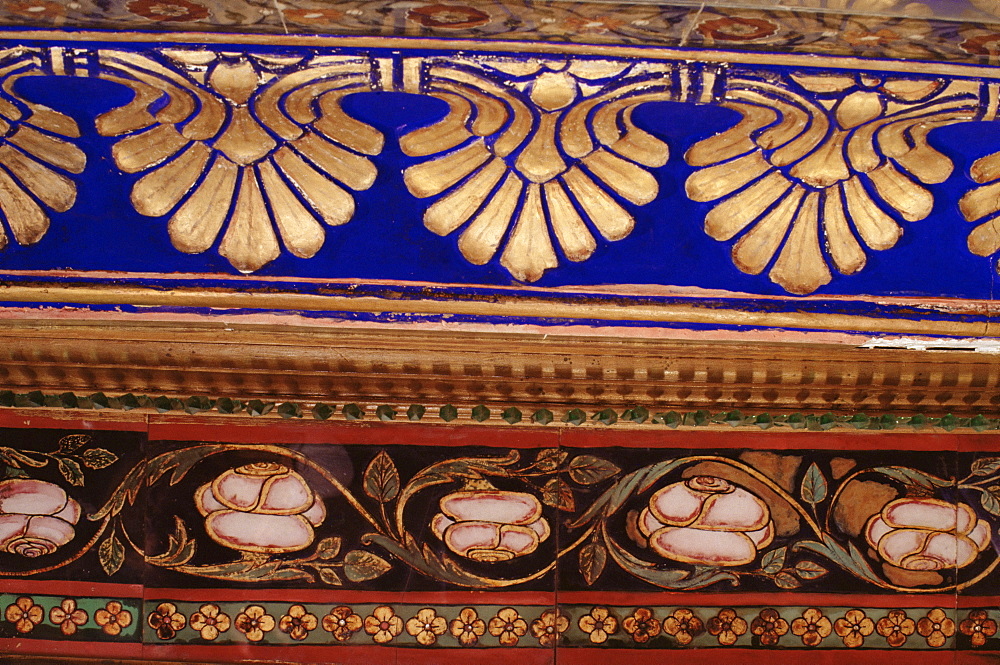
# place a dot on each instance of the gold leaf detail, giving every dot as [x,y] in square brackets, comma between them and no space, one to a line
[800,267]
[345,130]
[450,212]
[825,165]
[824,83]
[722,179]
[911,200]
[54,189]
[353,170]
[300,231]
[553,90]
[571,231]
[28,222]
[529,250]
[244,141]
[443,135]
[734,141]
[858,108]
[844,249]
[196,224]
[986,169]
[734,214]
[985,238]
[435,176]
[540,161]
[979,202]
[249,242]
[146,149]
[604,212]
[754,250]
[158,191]
[57,153]
[877,229]
[628,180]
[480,241]
[333,204]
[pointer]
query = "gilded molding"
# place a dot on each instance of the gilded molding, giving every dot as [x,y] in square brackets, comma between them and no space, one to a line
[399,368]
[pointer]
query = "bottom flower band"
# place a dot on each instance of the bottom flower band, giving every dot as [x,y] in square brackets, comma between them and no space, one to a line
[461,626]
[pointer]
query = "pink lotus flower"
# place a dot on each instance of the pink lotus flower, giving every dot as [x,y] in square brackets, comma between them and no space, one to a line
[927,534]
[36,517]
[491,525]
[263,507]
[707,521]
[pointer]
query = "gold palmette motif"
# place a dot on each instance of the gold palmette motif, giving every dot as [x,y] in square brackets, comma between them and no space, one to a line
[34,154]
[534,149]
[817,159]
[258,144]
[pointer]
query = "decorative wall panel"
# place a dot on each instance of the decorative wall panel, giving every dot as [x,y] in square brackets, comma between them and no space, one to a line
[184,539]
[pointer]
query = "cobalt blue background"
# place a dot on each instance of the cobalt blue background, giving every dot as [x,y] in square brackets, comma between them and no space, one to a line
[386,238]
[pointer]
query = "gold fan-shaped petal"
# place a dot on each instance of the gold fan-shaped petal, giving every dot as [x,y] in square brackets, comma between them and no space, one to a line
[249,242]
[479,242]
[28,222]
[800,267]
[754,250]
[437,175]
[331,201]
[196,224]
[140,151]
[161,189]
[453,210]
[529,252]
[300,231]
[53,189]
[571,231]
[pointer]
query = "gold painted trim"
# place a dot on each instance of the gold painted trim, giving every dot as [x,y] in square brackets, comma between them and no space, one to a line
[505,307]
[501,46]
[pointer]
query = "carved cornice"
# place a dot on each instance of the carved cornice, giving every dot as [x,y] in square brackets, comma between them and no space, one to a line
[528,371]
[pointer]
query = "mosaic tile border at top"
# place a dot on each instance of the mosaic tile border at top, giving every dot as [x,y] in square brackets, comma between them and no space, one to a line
[861,27]
[417,625]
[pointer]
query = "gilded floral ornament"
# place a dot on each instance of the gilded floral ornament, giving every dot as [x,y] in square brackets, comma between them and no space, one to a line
[821,167]
[535,155]
[251,147]
[35,154]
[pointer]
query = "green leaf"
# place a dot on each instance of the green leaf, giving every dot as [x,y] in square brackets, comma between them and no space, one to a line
[849,559]
[111,554]
[360,566]
[556,493]
[448,413]
[638,415]
[98,458]
[764,421]
[14,472]
[700,578]
[381,480]
[911,477]
[549,459]
[323,411]
[593,557]
[628,486]
[512,415]
[773,561]
[255,407]
[72,442]
[671,419]
[985,466]
[786,580]
[480,413]
[606,416]
[575,417]
[990,503]
[542,417]
[71,471]
[415,412]
[328,575]
[289,410]
[809,570]
[813,485]
[328,548]
[588,470]
[228,405]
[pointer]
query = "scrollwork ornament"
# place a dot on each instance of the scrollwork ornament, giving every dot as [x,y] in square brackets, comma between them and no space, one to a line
[535,155]
[822,166]
[249,146]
